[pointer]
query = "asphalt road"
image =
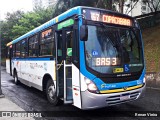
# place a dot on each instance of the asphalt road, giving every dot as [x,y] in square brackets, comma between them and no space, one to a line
[31,99]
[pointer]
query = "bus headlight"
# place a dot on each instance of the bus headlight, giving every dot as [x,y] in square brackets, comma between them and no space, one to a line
[91,86]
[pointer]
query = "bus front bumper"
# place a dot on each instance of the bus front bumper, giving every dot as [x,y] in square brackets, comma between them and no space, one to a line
[94,101]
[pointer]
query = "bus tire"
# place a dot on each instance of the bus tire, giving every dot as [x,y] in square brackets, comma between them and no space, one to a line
[51,93]
[16,81]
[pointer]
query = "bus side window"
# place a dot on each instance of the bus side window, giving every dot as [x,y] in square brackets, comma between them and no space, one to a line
[23,48]
[59,45]
[33,46]
[18,49]
[14,50]
[46,43]
[69,40]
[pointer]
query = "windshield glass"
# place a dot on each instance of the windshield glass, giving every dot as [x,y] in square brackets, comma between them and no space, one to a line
[113,50]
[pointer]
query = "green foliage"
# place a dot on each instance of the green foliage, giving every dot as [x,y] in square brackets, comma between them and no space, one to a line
[31,20]
[44,13]
[63,5]
[154,5]
[6,28]
[28,22]
[19,23]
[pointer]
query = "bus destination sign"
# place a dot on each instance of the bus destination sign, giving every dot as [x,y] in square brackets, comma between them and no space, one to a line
[110,18]
[116,20]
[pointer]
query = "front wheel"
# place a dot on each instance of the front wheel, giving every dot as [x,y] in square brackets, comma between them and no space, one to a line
[51,92]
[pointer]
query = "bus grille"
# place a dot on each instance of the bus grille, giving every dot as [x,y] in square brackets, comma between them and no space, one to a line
[117,99]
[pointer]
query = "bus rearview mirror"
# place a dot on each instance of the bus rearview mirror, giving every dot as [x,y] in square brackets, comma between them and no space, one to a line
[84,33]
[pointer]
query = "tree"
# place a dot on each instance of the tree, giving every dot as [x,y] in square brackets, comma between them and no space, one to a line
[106,4]
[31,20]
[154,5]
[6,28]
[44,13]
[7,25]
[119,4]
[28,22]
[63,5]
[11,20]
[19,23]
[131,5]
[122,3]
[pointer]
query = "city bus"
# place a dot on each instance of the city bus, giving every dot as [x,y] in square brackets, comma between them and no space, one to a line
[88,57]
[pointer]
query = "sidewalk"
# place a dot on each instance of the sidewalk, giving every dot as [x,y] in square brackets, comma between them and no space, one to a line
[7,105]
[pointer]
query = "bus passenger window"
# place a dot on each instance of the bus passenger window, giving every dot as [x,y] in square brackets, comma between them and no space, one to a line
[33,46]
[14,50]
[23,49]
[59,52]
[59,45]
[46,43]
[69,40]
[130,44]
[18,49]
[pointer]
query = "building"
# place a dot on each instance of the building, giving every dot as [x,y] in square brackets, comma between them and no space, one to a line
[139,9]
[136,9]
[43,3]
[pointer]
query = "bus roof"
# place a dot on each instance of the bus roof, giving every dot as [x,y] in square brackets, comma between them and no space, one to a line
[61,17]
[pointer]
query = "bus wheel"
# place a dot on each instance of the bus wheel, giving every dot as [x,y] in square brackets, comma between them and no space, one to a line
[51,92]
[16,81]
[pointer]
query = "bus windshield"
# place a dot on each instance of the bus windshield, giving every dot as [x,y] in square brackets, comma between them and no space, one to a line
[111,50]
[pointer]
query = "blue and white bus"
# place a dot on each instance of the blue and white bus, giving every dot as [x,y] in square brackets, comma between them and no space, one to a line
[87,57]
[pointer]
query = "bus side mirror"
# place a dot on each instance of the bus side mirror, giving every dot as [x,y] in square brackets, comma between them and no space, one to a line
[84,33]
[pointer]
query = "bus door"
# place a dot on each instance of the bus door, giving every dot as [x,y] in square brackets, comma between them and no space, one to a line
[64,64]
[9,63]
[10,60]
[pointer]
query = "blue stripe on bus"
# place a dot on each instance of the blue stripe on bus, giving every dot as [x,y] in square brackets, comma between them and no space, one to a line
[61,17]
[32,59]
[109,86]
[82,57]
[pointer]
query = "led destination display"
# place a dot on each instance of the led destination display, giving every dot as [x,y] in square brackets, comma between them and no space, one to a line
[111,18]
[106,61]
[116,20]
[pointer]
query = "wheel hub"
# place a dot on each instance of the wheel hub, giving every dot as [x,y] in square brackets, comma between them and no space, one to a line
[51,92]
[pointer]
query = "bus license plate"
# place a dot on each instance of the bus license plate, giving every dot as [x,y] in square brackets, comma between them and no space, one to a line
[125,97]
